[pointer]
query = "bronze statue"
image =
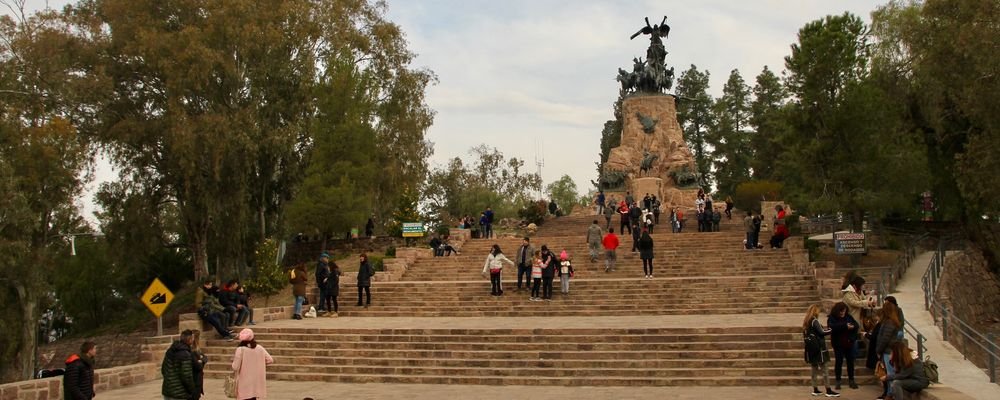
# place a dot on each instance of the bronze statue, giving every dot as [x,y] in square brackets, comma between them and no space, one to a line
[653,76]
[648,123]
[647,162]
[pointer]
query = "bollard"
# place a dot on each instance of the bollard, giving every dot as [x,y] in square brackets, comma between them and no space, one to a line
[944,323]
[993,360]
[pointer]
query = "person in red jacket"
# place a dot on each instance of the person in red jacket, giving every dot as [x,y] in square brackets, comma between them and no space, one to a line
[610,243]
[780,228]
[78,381]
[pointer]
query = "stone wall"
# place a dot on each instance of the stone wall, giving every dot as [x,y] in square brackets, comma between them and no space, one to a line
[971,293]
[104,380]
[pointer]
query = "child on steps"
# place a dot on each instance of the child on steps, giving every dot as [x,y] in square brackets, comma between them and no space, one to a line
[565,271]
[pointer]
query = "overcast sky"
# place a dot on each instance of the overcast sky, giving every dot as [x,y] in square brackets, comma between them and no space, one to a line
[514,73]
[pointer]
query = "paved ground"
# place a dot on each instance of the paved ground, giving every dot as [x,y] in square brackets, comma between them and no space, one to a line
[280,390]
[967,381]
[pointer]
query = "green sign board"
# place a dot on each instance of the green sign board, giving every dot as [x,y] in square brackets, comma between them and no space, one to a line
[413,229]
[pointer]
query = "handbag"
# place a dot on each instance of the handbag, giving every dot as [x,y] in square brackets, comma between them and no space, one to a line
[880,371]
[229,386]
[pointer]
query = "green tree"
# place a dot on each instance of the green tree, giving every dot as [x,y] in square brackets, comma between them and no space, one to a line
[492,180]
[44,155]
[730,136]
[847,133]
[564,192]
[768,122]
[611,134]
[694,113]
[942,54]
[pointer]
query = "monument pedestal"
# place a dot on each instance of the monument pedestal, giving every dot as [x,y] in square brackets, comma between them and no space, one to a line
[642,186]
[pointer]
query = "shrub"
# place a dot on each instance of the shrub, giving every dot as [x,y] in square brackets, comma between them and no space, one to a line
[377,262]
[443,230]
[390,251]
[534,212]
[270,277]
[813,247]
[749,194]
[794,224]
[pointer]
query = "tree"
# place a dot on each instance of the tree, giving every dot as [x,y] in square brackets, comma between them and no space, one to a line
[44,155]
[729,135]
[564,192]
[694,113]
[492,180]
[767,120]
[943,53]
[611,134]
[847,133]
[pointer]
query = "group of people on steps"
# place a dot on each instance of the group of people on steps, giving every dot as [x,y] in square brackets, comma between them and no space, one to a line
[540,266]
[848,325]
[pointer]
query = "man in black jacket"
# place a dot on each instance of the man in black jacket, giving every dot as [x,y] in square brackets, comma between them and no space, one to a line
[178,370]
[78,383]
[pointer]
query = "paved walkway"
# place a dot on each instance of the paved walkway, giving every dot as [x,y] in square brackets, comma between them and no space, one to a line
[955,370]
[283,390]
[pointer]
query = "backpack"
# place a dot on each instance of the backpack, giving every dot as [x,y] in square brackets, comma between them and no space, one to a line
[931,370]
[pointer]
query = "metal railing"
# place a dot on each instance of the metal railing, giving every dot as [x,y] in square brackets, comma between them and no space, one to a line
[890,278]
[985,342]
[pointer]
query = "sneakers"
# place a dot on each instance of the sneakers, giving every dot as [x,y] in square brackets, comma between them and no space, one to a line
[831,393]
[852,384]
[816,392]
[548,299]
[296,316]
[534,299]
[331,315]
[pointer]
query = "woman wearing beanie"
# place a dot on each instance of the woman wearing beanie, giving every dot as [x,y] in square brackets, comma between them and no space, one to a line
[250,364]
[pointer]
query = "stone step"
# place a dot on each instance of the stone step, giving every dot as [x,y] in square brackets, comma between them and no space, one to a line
[551,312]
[645,354]
[374,361]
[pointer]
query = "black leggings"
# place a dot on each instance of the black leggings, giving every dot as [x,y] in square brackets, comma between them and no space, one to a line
[367,290]
[534,288]
[547,287]
[647,266]
[332,299]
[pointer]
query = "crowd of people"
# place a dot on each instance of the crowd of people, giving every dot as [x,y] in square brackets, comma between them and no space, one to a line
[854,321]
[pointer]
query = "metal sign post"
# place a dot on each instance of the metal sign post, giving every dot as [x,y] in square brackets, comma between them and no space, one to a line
[156,298]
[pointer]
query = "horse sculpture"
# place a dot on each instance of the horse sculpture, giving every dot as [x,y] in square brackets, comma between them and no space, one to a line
[647,162]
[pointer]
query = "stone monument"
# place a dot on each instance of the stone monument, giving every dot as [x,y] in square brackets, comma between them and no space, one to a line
[653,156]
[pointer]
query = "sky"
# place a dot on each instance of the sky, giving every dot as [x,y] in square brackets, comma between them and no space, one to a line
[536,78]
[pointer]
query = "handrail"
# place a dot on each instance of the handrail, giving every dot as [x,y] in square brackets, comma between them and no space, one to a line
[930,281]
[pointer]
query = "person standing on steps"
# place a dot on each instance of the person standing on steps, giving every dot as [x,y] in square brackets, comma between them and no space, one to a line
[780,229]
[322,275]
[365,274]
[609,212]
[523,260]
[298,278]
[78,378]
[489,222]
[680,220]
[749,228]
[729,207]
[656,211]
[594,236]
[332,285]
[565,272]
[716,220]
[370,228]
[756,232]
[482,226]
[536,276]
[623,213]
[628,198]
[647,202]
[250,364]
[645,245]
[198,362]
[844,332]
[636,234]
[816,353]
[889,333]
[553,207]
[599,202]
[178,370]
[494,267]
[634,215]
[549,266]
[610,243]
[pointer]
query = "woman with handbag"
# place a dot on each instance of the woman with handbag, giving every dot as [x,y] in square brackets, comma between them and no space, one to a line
[816,353]
[250,367]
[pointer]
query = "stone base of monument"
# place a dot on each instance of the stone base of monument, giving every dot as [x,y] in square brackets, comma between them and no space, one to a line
[648,185]
[679,198]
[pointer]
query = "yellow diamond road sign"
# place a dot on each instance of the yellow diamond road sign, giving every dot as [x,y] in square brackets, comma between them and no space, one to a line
[157,297]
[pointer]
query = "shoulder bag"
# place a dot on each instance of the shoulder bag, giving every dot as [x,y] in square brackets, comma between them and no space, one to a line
[230,384]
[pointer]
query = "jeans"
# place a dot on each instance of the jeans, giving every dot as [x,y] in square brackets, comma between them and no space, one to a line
[489,230]
[609,263]
[215,319]
[564,281]
[889,369]
[608,219]
[595,250]
[600,209]
[534,288]
[647,266]
[368,291]
[523,270]
[547,287]
[230,315]
[298,304]
[330,300]
[495,284]
[242,315]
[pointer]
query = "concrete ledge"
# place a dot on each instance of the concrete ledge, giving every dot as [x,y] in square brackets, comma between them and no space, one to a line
[104,380]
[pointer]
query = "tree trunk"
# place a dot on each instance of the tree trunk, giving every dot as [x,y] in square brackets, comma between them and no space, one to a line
[199,253]
[27,348]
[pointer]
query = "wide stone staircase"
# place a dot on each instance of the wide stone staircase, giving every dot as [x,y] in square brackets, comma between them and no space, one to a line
[714,314]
